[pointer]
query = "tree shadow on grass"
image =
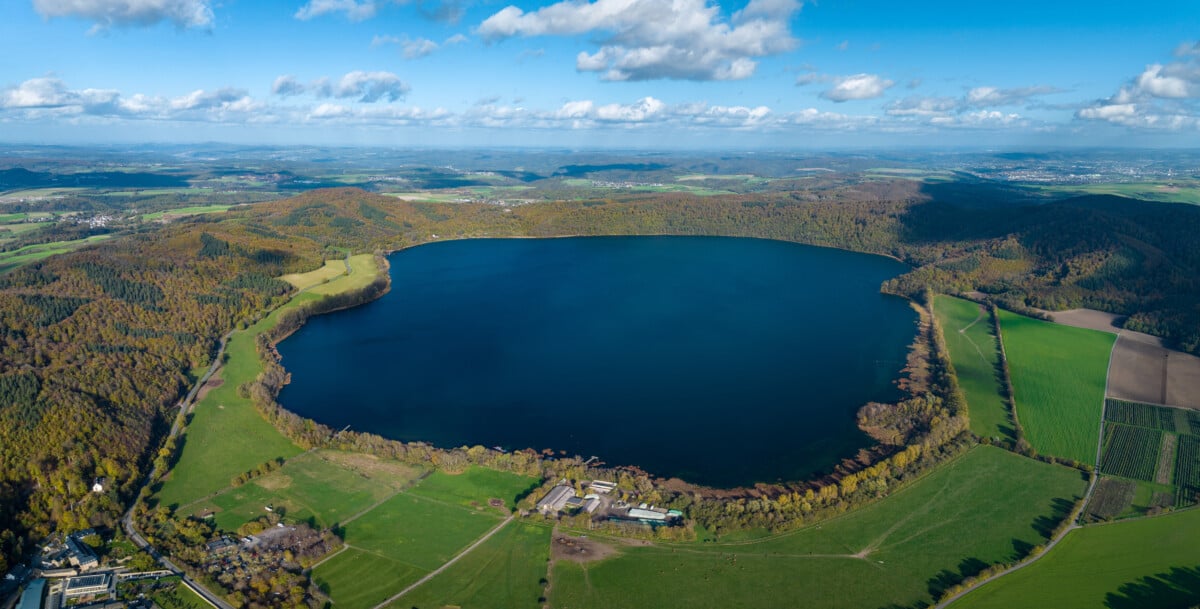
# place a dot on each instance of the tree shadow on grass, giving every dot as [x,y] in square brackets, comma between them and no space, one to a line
[1178,588]
[1059,509]
[946,579]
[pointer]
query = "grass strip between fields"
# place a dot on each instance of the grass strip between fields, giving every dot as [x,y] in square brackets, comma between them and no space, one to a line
[975,354]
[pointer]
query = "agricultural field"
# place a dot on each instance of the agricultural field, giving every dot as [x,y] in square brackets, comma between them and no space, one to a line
[302,281]
[1154,446]
[362,273]
[1131,452]
[357,579]
[909,547]
[967,328]
[33,253]
[1141,415]
[1126,565]
[504,572]
[1111,498]
[1175,192]
[413,533]
[1059,376]
[475,486]
[226,436]
[1187,469]
[324,487]
[180,212]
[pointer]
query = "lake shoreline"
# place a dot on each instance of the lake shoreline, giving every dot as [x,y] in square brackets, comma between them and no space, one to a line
[382,271]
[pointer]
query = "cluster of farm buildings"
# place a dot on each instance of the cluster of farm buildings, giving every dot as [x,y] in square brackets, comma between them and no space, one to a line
[598,501]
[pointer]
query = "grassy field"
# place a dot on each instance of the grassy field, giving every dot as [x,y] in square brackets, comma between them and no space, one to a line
[502,573]
[474,487]
[975,355]
[324,486]
[227,436]
[303,281]
[357,579]
[33,253]
[1058,374]
[987,506]
[362,273]
[395,544]
[1176,192]
[185,211]
[418,531]
[1150,563]
[179,597]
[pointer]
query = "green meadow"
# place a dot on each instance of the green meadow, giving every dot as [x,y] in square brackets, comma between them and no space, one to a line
[226,435]
[985,507]
[184,211]
[1149,563]
[419,530]
[33,253]
[502,573]
[1059,374]
[974,352]
[475,486]
[357,579]
[324,487]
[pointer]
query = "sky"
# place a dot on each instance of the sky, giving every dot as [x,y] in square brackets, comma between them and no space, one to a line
[667,74]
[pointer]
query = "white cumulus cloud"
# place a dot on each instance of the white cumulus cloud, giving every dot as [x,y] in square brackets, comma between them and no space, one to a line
[368,87]
[658,39]
[415,48]
[123,13]
[1164,96]
[355,10]
[994,96]
[857,86]
[371,87]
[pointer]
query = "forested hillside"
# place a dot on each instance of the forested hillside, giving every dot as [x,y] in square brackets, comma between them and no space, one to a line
[99,344]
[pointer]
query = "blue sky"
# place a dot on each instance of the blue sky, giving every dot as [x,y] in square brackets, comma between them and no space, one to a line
[606,73]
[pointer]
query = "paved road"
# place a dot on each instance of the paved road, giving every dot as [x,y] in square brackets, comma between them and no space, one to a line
[435,572]
[127,520]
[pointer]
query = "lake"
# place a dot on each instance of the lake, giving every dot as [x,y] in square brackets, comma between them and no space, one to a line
[721,361]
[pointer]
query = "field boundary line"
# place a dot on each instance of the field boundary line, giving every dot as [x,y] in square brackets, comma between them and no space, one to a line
[436,572]
[367,509]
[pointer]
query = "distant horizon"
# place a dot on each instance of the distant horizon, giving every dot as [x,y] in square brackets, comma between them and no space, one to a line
[564,149]
[857,74]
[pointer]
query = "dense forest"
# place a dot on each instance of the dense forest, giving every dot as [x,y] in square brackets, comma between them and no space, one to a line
[100,344]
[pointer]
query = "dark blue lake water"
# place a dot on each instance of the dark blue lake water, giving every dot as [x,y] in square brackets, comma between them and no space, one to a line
[721,361]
